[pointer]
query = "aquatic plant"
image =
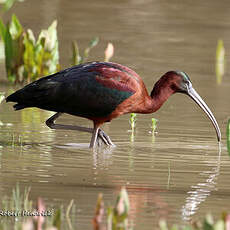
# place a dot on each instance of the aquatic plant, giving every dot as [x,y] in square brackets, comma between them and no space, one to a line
[24,217]
[220,61]
[26,58]
[117,216]
[79,59]
[13,206]
[154,125]
[7,4]
[133,120]
[109,51]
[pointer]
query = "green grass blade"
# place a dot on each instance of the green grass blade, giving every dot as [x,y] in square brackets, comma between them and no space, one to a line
[2,30]
[76,58]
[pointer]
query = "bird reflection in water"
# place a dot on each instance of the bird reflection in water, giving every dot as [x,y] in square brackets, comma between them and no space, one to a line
[201,191]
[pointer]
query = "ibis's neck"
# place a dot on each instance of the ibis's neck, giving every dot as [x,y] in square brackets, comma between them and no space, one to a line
[160,93]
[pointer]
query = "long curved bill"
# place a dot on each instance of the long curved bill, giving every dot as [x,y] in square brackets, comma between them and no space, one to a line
[196,97]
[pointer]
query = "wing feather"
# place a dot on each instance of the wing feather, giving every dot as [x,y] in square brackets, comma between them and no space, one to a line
[90,90]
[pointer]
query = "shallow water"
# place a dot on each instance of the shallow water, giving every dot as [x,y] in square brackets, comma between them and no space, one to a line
[179,172]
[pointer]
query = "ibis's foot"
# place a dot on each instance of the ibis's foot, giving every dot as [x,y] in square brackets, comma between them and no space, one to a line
[105,138]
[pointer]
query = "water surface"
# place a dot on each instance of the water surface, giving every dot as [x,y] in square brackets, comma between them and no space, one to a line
[178,173]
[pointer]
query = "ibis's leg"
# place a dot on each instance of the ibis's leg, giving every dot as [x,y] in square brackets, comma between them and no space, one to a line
[100,133]
[94,137]
[105,137]
[50,123]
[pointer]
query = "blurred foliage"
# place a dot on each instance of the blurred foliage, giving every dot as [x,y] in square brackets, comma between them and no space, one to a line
[24,217]
[109,51]
[117,217]
[14,205]
[77,58]
[220,61]
[26,58]
[207,224]
[7,4]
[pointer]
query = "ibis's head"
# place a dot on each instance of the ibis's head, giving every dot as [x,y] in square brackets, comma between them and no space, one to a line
[182,84]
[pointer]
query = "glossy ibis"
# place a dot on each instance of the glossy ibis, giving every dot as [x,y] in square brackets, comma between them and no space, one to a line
[101,91]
